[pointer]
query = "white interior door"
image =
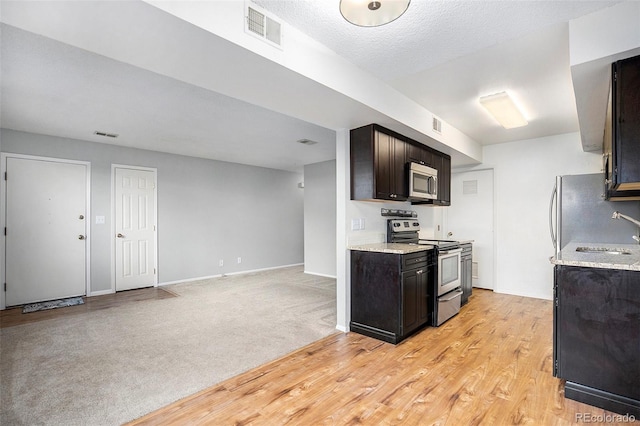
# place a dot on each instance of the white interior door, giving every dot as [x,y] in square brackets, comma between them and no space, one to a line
[46,210]
[470,217]
[135,228]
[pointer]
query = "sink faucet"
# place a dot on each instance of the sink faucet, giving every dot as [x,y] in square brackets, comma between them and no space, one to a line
[618,215]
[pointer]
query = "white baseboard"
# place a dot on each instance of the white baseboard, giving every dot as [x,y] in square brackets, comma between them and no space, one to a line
[263,269]
[251,271]
[100,293]
[317,274]
[342,329]
[188,280]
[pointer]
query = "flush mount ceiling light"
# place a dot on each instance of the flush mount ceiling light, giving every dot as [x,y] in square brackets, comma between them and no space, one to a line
[504,110]
[366,13]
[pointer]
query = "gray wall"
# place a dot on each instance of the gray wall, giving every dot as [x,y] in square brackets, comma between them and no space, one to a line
[320,218]
[197,199]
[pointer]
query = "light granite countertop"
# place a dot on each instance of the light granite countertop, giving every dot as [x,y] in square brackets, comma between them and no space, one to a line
[393,248]
[571,256]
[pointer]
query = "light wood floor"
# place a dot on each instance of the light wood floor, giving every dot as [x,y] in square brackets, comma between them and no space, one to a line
[14,316]
[489,365]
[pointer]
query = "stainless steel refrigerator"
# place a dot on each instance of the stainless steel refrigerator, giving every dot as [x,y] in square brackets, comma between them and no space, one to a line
[579,213]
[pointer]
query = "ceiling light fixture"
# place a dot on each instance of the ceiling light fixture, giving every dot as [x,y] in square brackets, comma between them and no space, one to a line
[366,13]
[504,110]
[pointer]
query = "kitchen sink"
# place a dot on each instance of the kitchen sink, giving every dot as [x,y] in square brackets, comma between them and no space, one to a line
[603,250]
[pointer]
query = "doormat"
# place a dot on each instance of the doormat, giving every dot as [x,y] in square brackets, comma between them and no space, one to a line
[52,304]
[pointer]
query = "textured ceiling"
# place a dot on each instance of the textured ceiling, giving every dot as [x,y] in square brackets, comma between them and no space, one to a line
[447,54]
[442,54]
[429,33]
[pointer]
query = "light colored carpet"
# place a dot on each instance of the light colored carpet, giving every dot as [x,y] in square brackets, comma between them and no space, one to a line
[108,367]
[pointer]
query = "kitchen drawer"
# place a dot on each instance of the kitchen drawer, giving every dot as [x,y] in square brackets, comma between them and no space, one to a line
[449,305]
[414,260]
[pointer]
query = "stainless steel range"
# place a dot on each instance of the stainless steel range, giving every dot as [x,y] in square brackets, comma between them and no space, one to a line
[446,289]
[448,284]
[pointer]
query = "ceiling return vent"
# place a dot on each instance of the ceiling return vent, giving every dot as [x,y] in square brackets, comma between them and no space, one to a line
[259,24]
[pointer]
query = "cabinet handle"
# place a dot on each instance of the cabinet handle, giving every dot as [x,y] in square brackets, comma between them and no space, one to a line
[420,271]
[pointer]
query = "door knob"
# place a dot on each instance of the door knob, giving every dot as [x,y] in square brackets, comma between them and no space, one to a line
[81,217]
[81,237]
[120,236]
[449,234]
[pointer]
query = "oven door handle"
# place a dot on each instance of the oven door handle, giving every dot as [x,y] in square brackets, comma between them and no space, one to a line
[457,293]
[454,251]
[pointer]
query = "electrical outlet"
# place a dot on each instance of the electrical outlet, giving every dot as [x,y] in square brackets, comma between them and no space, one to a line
[239,260]
[221,262]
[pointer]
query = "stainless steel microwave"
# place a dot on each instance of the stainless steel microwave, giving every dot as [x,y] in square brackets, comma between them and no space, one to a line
[423,182]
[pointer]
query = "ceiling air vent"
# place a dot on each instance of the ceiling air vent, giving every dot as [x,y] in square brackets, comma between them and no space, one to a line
[258,24]
[105,134]
[437,125]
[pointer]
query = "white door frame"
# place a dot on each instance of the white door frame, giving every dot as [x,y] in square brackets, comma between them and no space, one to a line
[113,220]
[3,218]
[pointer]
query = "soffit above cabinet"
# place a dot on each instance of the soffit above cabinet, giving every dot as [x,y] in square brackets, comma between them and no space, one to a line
[595,42]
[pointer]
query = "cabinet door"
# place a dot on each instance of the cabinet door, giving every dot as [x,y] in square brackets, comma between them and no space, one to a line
[410,299]
[444,181]
[443,165]
[419,155]
[383,165]
[596,327]
[400,177]
[389,167]
[423,297]
[627,124]
[466,278]
[608,157]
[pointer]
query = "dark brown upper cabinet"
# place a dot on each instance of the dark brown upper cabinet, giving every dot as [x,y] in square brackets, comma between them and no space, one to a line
[420,155]
[622,132]
[443,167]
[379,158]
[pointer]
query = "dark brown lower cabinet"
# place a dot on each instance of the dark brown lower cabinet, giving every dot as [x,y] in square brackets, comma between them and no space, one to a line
[597,336]
[466,272]
[390,293]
